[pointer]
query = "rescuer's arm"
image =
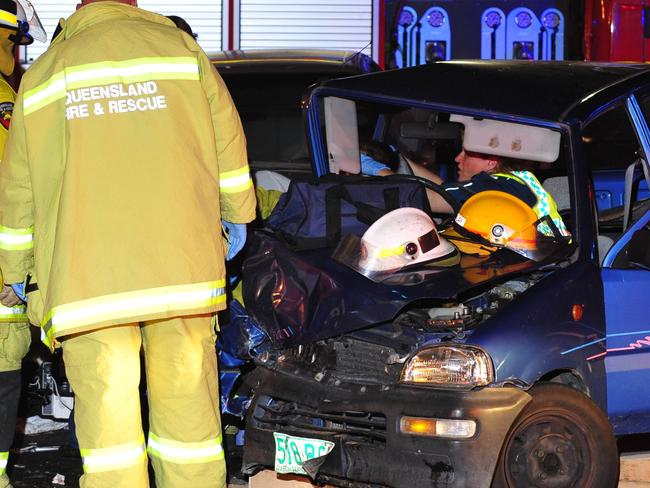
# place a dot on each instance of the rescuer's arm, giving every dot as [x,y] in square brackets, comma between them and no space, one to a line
[438,204]
[235,184]
[372,167]
[16,214]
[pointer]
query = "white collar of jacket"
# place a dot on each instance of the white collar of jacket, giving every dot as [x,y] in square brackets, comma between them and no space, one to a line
[99,12]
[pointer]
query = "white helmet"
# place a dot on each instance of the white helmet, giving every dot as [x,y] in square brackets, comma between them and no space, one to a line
[21,17]
[402,238]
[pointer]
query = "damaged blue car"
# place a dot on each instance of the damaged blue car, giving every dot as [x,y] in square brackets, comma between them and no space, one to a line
[508,368]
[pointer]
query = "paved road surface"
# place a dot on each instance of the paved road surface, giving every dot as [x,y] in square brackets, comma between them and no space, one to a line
[44,456]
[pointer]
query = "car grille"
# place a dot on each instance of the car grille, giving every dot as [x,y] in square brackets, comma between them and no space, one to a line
[364,427]
[347,360]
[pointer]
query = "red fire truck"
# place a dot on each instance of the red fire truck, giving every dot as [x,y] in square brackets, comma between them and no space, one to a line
[421,31]
[617,30]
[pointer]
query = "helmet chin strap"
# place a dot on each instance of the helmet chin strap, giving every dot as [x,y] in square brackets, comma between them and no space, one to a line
[7,47]
[21,37]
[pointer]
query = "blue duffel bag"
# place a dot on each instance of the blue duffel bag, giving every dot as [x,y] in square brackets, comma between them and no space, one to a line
[315,213]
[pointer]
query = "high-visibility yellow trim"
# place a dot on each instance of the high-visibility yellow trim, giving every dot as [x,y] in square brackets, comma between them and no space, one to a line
[237,189]
[4,456]
[16,239]
[13,314]
[235,181]
[244,170]
[107,72]
[185,452]
[545,204]
[389,252]
[46,93]
[114,458]
[18,232]
[8,18]
[121,306]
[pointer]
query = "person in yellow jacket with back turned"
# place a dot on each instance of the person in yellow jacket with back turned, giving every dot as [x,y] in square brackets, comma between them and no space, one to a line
[126,155]
[15,335]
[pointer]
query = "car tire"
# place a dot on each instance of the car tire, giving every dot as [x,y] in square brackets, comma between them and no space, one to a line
[561,439]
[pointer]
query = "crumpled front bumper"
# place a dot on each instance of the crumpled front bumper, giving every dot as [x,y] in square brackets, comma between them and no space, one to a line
[375,453]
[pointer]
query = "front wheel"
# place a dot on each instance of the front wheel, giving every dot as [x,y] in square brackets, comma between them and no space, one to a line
[561,439]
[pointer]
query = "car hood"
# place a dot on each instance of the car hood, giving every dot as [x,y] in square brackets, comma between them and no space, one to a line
[301,297]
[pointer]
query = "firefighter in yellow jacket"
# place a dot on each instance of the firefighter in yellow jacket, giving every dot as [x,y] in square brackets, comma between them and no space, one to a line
[125,156]
[14,329]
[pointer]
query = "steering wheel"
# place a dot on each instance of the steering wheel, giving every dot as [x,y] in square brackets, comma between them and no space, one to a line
[430,185]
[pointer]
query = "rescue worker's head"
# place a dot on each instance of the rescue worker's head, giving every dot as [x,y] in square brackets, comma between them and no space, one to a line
[182,24]
[491,220]
[471,163]
[19,25]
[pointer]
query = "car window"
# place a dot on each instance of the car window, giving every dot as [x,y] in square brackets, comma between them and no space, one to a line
[424,142]
[424,136]
[386,131]
[269,105]
[611,146]
[610,141]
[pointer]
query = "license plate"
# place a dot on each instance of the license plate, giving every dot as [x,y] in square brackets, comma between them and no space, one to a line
[291,452]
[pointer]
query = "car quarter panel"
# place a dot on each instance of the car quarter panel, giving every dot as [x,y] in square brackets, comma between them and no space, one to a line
[538,334]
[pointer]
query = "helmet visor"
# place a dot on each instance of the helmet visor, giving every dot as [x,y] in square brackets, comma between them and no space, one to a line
[541,240]
[26,13]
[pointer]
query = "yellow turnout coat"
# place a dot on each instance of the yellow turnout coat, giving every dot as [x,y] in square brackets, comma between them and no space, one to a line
[120,164]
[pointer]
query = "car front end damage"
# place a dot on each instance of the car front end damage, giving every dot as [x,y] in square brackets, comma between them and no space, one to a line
[385,431]
[396,392]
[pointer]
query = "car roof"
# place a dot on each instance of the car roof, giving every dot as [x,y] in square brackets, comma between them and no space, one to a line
[546,91]
[304,60]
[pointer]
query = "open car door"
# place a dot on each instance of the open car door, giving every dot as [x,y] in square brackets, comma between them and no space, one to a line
[626,283]
[626,286]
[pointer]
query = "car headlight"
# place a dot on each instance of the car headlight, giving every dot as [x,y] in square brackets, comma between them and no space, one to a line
[449,366]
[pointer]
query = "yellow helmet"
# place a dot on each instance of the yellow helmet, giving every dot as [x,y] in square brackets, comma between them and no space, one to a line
[494,219]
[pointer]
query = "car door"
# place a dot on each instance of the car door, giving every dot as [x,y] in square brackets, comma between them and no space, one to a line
[626,286]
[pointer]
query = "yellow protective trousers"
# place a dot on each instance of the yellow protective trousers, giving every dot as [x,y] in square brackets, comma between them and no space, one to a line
[14,344]
[184,441]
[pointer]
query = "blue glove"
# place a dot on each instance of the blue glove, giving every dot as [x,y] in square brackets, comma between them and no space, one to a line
[236,234]
[371,166]
[19,290]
